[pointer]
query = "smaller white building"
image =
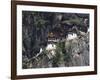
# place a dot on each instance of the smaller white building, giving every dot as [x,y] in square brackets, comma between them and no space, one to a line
[71,36]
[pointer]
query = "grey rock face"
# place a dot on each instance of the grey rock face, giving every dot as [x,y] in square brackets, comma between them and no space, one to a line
[78,49]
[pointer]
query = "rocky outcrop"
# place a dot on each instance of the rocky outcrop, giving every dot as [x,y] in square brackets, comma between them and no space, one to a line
[78,50]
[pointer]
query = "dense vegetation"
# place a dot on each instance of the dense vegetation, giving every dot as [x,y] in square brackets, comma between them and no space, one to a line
[38,27]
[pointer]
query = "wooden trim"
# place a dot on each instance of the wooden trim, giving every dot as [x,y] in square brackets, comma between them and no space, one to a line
[13,40]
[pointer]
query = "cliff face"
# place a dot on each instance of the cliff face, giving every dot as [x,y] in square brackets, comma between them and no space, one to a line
[78,50]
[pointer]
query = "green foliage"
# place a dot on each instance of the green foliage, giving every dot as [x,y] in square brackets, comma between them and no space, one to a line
[40,23]
[39,20]
[77,21]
